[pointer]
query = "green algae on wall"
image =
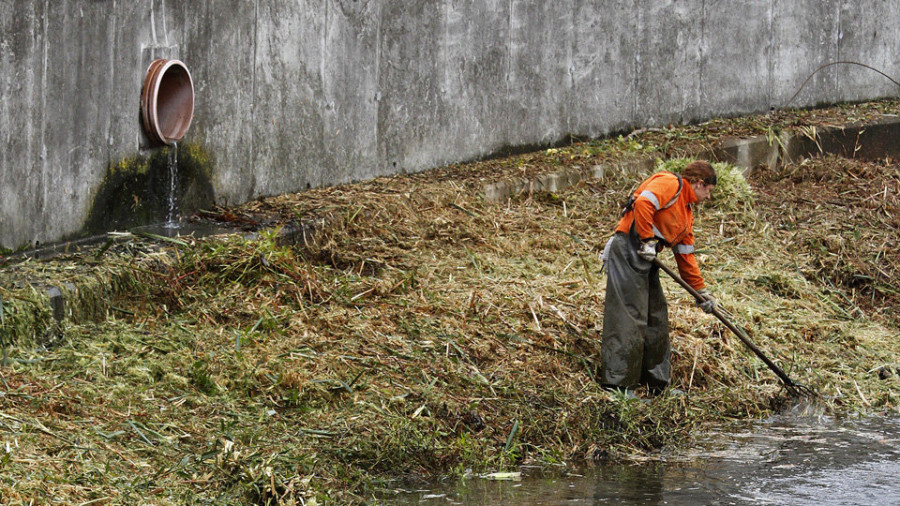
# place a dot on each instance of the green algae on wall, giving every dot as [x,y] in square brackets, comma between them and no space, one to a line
[135,191]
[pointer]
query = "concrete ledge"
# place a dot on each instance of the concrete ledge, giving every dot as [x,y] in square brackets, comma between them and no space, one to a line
[304,234]
[868,141]
[501,191]
[748,153]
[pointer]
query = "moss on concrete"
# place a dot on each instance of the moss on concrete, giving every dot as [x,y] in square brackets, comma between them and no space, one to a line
[135,191]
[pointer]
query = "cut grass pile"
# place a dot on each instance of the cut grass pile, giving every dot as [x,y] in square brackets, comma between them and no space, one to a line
[424,331]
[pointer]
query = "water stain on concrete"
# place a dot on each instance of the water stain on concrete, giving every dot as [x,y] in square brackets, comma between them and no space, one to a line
[135,191]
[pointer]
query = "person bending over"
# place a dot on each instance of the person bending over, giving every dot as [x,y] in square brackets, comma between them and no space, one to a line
[635,349]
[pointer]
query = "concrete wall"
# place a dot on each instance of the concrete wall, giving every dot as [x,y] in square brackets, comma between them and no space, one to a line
[298,93]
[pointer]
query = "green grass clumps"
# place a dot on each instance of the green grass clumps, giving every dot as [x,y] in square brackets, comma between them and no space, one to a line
[422,332]
[732,192]
[25,320]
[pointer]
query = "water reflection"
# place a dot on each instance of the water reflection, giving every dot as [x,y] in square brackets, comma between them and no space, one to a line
[788,460]
[182,229]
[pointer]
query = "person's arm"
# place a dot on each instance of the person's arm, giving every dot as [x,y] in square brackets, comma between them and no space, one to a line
[687,263]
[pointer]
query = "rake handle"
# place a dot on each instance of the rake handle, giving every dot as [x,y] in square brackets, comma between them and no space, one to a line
[737,331]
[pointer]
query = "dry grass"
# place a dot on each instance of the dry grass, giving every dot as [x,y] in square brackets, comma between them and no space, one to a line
[424,331]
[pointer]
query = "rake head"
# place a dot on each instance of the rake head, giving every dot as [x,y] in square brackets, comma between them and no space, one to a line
[796,390]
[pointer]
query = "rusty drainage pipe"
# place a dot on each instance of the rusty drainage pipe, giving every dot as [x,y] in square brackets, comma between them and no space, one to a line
[167,101]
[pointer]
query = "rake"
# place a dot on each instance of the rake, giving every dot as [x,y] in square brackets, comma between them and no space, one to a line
[794,389]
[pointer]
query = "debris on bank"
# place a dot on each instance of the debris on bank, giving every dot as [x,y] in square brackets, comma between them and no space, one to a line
[422,330]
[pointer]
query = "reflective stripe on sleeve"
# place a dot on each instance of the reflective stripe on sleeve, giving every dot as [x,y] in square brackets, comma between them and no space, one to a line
[657,233]
[647,194]
[683,249]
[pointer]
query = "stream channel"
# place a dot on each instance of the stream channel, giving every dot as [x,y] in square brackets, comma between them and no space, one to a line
[787,459]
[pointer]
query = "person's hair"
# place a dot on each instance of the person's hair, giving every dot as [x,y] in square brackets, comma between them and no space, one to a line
[699,170]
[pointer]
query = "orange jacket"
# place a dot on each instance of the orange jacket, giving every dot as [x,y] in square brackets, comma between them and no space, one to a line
[673,225]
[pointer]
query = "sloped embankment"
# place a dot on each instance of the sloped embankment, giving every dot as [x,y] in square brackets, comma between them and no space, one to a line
[841,217]
[426,331]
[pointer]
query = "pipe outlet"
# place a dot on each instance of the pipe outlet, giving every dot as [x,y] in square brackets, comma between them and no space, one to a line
[167,101]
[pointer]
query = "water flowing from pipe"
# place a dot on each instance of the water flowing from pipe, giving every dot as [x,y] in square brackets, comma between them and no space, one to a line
[172,220]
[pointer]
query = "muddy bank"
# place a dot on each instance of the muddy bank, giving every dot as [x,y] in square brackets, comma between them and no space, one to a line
[424,330]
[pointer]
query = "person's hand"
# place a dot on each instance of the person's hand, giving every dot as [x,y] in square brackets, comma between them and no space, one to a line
[647,251]
[708,304]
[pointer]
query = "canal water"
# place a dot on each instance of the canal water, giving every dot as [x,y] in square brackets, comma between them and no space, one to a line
[789,459]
